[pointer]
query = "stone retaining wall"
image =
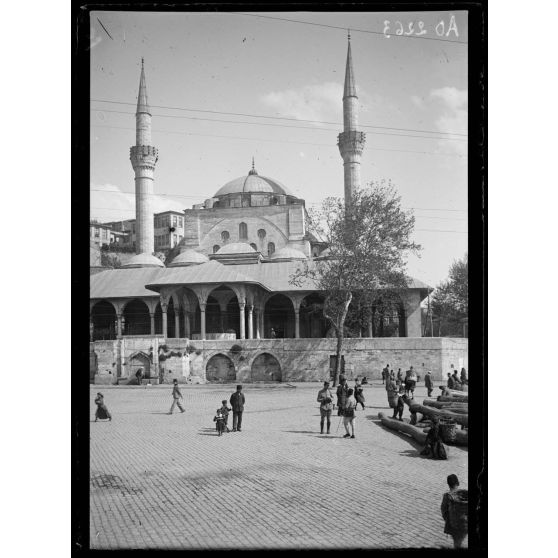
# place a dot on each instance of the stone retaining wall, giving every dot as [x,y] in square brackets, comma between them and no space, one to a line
[300,359]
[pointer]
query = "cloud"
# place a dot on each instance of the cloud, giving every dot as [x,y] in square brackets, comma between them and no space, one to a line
[453,106]
[311,102]
[417,101]
[110,203]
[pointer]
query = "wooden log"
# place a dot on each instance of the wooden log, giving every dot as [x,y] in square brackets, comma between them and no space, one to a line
[445,404]
[452,399]
[461,437]
[403,427]
[432,412]
[454,392]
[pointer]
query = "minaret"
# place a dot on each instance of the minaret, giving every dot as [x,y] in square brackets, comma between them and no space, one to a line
[144,157]
[350,141]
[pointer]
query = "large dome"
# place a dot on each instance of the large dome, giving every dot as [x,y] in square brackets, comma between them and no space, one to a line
[253,182]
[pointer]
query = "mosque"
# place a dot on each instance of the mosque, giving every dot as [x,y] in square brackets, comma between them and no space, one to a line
[223,309]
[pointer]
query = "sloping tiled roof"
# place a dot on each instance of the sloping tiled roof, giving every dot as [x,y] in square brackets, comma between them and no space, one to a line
[118,283]
[208,273]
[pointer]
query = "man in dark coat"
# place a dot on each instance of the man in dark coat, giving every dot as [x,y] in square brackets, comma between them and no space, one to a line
[342,394]
[451,381]
[456,523]
[428,383]
[237,401]
[456,381]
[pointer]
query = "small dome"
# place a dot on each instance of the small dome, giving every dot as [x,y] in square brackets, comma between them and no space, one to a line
[188,257]
[144,260]
[236,248]
[288,254]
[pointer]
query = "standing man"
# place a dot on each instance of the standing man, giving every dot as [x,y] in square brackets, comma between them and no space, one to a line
[428,382]
[139,375]
[456,380]
[325,397]
[237,401]
[385,373]
[451,381]
[176,396]
[342,394]
[455,512]
[412,381]
[464,379]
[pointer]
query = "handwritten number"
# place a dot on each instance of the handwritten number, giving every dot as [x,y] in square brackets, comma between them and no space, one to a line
[386,28]
[400,30]
[421,27]
[411,29]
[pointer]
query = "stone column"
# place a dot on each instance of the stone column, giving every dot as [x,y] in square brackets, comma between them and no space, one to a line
[250,322]
[297,323]
[257,320]
[152,320]
[370,329]
[242,305]
[118,325]
[186,324]
[413,312]
[164,314]
[176,322]
[202,319]
[262,323]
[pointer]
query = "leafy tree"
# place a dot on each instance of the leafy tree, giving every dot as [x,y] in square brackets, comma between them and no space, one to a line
[368,241]
[450,302]
[110,260]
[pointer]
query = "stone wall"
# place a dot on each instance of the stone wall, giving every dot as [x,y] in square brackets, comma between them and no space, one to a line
[299,359]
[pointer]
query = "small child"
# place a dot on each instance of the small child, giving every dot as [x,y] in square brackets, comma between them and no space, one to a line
[223,413]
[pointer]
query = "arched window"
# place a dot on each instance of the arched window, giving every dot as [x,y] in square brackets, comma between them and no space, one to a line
[216,248]
[270,248]
[254,246]
[225,236]
[243,231]
[261,234]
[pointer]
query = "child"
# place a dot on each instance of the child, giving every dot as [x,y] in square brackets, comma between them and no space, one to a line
[224,410]
[219,420]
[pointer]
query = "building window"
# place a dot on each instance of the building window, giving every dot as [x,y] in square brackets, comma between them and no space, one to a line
[243,231]
[261,234]
[96,232]
[174,221]
[216,248]
[225,236]
[270,249]
[180,237]
[254,246]
[180,222]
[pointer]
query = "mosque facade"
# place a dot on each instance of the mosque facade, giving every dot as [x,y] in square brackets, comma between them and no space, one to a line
[224,309]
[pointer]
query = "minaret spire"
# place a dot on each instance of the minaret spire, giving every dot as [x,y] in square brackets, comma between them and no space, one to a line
[350,141]
[143,157]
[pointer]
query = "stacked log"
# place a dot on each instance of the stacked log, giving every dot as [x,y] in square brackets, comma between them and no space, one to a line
[461,437]
[403,427]
[432,412]
[449,405]
[454,392]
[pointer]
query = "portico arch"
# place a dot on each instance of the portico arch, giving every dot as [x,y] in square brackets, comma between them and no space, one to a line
[279,314]
[103,318]
[389,317]
[137,320]
[313,324]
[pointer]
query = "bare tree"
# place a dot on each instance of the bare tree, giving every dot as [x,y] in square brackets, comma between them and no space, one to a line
[368,241]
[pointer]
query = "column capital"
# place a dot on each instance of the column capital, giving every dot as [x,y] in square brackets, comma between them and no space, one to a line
[242,305]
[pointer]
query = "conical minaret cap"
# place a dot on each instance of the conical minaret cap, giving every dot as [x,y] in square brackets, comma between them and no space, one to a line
[143,105]
[350,87]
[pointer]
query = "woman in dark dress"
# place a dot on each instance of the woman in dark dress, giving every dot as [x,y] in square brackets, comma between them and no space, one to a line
[102,412]
[434,447]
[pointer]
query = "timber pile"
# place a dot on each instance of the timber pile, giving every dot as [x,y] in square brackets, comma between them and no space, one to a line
[430,412]
[403,427]
[456,407]
[461,437]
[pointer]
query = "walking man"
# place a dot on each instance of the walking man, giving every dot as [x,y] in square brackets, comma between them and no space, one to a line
[237,401]
[176,396]
[325,397]
[385,374]
[455,512]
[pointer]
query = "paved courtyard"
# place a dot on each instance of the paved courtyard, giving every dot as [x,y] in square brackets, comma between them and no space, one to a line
[161,481]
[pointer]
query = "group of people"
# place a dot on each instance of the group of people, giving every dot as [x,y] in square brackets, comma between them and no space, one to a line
[348,400]
[457,382]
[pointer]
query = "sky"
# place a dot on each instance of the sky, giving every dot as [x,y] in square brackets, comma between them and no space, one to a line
[212,78]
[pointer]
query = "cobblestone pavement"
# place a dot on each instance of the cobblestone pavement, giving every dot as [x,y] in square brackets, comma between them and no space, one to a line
[168,481]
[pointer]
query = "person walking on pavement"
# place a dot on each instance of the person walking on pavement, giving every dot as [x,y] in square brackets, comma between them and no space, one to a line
[400,376]
[359,394]
[349,414]
[237,401]
[454,510]
[325,397]
[385,373]
[429,384]
[342,393]
[176,396]
[102,412]
[411,382]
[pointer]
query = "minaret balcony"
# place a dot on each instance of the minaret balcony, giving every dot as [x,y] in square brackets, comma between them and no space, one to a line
[351,142]
[143,156]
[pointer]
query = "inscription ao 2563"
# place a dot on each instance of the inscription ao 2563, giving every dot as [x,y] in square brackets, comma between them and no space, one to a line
[441,30]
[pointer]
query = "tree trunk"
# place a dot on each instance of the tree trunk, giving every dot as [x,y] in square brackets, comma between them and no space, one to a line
[339,354]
